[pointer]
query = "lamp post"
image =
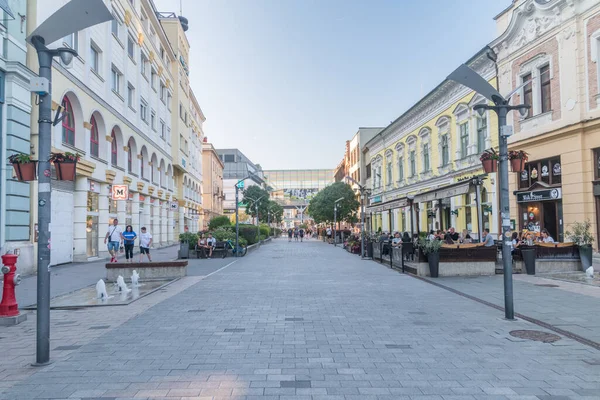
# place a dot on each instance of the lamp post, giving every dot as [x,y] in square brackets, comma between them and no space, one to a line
[363,193]
[58,25]
[238,185]
[256,203]
[467,77]
[335,220]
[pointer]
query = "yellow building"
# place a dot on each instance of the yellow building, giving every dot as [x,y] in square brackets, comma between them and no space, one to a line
[424,168]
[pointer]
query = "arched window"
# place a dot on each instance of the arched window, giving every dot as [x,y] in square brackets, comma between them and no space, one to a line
[129,158]
[142,165]
[113,148]
[68,123]
[152,173]
[94,144]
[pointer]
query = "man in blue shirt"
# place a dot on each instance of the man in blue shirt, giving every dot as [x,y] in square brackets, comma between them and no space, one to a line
[488,240]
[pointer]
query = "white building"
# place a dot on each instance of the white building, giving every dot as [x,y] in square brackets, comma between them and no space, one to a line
[118,98]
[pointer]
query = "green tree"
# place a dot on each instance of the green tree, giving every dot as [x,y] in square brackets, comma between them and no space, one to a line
[251,195]
[276,212]
[321,206]
[219,221]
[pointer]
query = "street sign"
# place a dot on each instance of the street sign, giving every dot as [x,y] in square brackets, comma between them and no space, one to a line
[120,192]
[240,184]
[242,204]
[506,130]
[174,205]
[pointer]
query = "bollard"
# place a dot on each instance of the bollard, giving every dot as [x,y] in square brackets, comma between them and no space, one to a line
[9,309]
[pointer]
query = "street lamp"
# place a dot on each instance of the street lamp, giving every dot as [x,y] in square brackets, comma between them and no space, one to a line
[238,185]
[335,220]
[256,203]
[363,192]
[467,77]
[71,18]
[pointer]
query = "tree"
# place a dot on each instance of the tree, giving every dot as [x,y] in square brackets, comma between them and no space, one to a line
[251,195]
[216,222]
[276,212]
[321,206]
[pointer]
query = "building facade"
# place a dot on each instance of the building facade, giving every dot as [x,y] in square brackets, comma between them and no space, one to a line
[424,168]
[236,167]
[554,43]
[195,154]
[15,111]
[212,173]
[118,98]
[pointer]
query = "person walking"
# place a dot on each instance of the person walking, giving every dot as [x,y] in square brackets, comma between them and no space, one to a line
[113,237]
[145,243]
[301,233]
[290,233]
[129,237]
[296,234]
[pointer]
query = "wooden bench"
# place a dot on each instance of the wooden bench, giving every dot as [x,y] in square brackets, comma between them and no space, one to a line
[221,247]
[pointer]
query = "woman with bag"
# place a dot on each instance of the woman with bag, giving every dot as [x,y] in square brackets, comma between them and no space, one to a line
[129,237]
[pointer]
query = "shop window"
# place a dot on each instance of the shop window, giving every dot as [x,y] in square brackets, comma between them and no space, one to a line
[548,171]
[68,123]
[92,202]
[94,144]
[597,164]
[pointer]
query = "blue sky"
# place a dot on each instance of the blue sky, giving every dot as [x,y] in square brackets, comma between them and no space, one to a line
[289,81]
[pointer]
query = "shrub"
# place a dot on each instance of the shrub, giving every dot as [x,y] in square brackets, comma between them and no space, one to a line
[580,233]
[265,230]
[189,237]
[222,234]
[430,246]
[248,232]
[219,221]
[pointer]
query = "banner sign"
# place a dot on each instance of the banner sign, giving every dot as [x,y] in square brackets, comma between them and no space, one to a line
[539,195]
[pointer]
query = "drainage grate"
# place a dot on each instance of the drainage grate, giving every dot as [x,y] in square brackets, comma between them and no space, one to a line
[196,310]
[235,330]
[99,327]
[294,319]
[73,347]
[537,336]
[295,384]
[546,285]
[398,346]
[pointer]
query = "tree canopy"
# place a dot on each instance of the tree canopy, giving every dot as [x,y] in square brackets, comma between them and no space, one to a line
[265,204]
[321,206]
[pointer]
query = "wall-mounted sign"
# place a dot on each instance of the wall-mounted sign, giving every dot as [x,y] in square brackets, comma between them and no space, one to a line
[539,195]
[120,192]
[174,205]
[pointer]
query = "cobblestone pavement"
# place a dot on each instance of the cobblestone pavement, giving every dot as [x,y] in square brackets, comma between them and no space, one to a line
[569,306]
[305,321]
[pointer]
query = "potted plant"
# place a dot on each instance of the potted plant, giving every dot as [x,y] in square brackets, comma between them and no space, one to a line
[581,236]
[517,159]
[65,165]
[431,248]
[23,166]
[489,161]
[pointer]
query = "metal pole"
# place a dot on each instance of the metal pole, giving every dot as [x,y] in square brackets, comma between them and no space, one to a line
[335,225]
[44,207]
[362,218]
[237,227]
[509,312]
[257,225]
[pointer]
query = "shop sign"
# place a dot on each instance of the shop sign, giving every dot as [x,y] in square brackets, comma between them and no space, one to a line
[556,169]
[444,193]
[539,195]
[174,205]
[376,199]
[395,204]
[525,175]
[120,192]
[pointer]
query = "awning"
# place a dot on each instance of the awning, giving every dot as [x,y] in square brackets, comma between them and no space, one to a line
[445,192]
[389,205]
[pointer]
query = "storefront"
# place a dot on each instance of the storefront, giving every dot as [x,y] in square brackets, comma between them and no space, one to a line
[596,184]
[539,198]
[92,228]
[395,212]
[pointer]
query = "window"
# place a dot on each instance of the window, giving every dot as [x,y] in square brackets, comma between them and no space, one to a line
[113,148]
[129,158]
[163,91]
[413,164]
[162,53]
[68,123]
[143,64]
[229,158]
[548,171]
[163,130]
[131,46]
[169,97]
[153,120]
[72,41]
[528,95]
[545,89]
[400,169]
[142,162]
[94,58]
[425,157]
[115,25]
[389,172]
[445,150]
[94,144]
[153,76]
[597,164]
[464,140]
[468,216]
[144,110]
[116,80]
[130,95]
[481,133]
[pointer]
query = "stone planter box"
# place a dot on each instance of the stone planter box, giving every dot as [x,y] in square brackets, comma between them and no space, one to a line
[544,266]
[474,268]
[147,270]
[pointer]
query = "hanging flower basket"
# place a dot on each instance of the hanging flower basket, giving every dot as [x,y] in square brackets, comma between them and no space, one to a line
[65,165]
[24,167]
[517,158]
[489,161]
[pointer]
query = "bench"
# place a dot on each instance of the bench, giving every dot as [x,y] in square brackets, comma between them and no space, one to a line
[221,247]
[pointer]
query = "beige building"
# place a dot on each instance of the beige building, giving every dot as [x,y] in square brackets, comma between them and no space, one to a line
[556,44]
[212,173]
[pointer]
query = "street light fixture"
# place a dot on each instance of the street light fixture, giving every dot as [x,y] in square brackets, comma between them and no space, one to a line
[71,18]
[471,79]
[256,203]
[237,206]
[335,220]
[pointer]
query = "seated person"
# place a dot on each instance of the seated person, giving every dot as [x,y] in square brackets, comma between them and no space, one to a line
[210,242]
[453,234]
[397,241]
[465,237]
[546,238]
[515,242]
[202,244]
[406,238]
[448,238]
[488,240]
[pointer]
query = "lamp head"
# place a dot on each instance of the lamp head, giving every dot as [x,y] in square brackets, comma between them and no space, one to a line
[480,108]
[524,110]
[66,54]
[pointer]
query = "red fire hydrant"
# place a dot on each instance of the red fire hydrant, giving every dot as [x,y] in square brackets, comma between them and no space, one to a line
[9,306]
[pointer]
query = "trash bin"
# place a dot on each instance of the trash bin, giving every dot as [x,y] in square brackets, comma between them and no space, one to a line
[529,260]
[369,249]
[184,250]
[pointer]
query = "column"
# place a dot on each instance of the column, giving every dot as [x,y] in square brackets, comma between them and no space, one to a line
[121,215]
[181,220]
[164,222]
[146,215]
[438,215]
[479,210]
[103,199]
[135,213]
[156,222]
[79,219]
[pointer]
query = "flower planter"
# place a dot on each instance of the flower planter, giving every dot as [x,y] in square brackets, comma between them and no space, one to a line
[490,166]
[585,255]
[25,171]
[433,259]
[517,164]
[65,170]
